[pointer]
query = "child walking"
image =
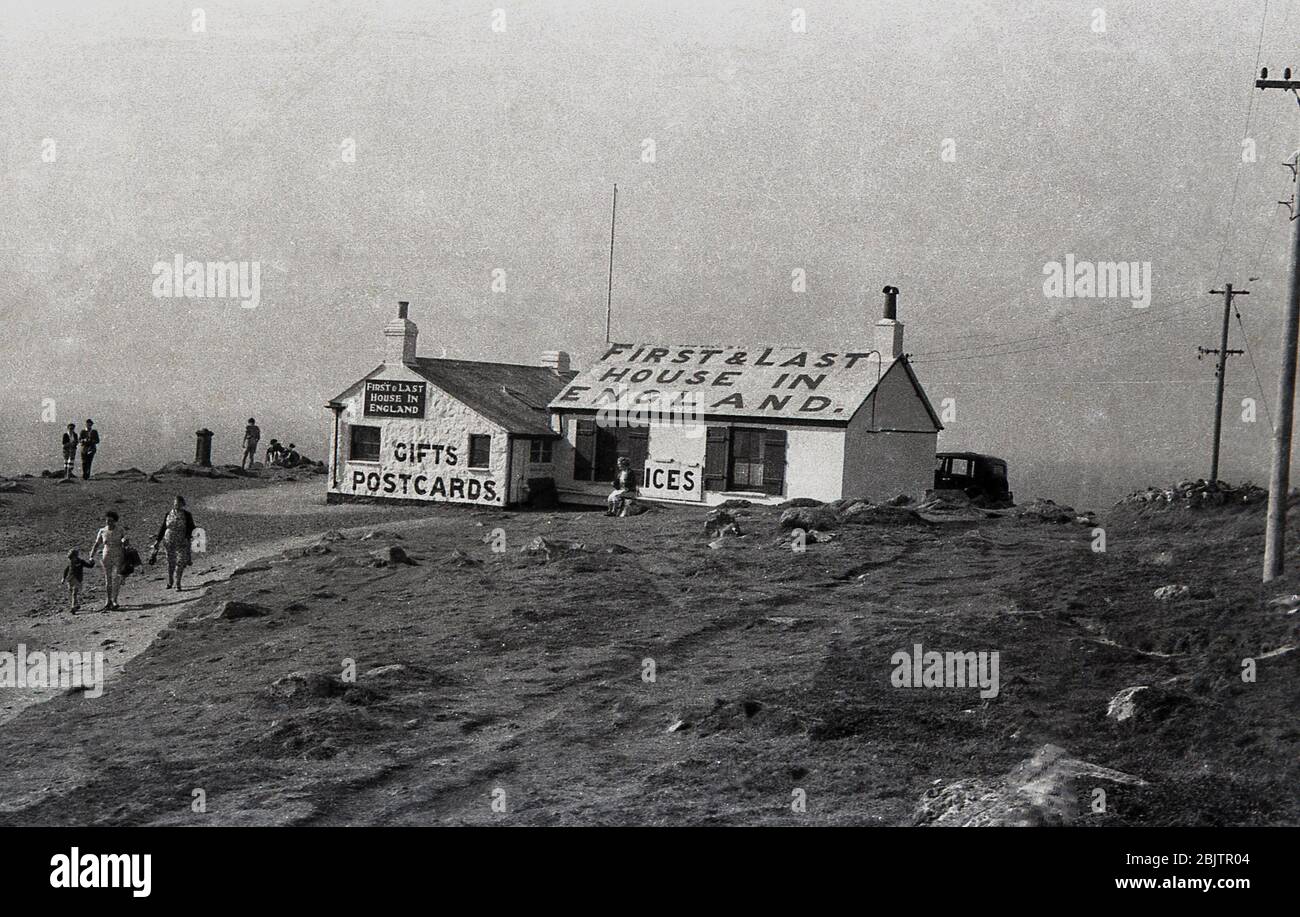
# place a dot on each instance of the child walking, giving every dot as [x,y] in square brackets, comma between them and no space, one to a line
[72,576]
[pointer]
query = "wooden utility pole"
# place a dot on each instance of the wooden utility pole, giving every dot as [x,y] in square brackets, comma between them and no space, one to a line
[1227,292]
[609,291]
[1279,482]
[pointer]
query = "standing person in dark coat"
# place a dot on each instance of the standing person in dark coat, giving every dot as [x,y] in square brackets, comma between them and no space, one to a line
[252,436]
[70,440]
[174,537]
[89,446]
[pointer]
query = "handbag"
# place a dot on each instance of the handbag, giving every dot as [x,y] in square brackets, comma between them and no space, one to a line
[130,560]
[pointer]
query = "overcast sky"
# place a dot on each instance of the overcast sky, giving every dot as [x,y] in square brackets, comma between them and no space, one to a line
[950,148]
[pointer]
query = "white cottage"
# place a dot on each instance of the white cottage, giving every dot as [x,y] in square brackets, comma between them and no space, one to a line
[432,430]
[703,424]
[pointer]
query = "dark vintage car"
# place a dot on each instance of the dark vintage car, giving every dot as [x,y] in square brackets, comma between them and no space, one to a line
[980,477]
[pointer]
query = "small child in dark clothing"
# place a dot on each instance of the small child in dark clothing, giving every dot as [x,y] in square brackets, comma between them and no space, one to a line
[72,577]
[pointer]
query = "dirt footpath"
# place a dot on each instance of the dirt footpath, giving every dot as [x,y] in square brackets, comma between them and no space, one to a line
[37,602]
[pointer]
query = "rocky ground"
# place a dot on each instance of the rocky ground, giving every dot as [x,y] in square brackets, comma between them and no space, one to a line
[461,666]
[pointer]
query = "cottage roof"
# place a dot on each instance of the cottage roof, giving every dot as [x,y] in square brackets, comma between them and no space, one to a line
[508,394]
[756,382]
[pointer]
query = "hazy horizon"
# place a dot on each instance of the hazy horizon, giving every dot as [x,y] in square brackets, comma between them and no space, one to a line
[484,155]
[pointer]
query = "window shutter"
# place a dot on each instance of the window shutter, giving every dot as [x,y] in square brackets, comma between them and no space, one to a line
[774,462]
[607,446]
[715,458]
[638,449]
[584,450]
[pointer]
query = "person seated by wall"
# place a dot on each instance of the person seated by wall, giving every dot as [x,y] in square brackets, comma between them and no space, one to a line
[624,493]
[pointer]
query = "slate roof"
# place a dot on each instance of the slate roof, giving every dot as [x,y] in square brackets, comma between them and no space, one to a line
[507,394]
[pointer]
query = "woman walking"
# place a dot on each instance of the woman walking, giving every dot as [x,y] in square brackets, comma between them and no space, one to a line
[174,537]
[111,545]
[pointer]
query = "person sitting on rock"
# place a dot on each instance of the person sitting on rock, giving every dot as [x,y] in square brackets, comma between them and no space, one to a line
[274,452]
[291,457]
[624,489]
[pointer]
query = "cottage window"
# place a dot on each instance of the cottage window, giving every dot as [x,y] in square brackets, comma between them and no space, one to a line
[740,458]
[364,445]
[539,451]
[480,447]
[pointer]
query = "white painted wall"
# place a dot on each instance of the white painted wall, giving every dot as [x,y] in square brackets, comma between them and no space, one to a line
[448,423]
[814,463]
[890,451]
[878,466]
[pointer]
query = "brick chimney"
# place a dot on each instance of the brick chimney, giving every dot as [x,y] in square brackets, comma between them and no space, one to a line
[557,361]
[889,330]
[399,338]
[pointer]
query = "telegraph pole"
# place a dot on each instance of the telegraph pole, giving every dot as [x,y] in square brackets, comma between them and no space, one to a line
[1279,483]
[1223,352]
[609,290]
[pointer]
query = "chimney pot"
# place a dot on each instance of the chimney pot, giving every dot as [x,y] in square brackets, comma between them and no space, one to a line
[891,302]
[557,361]
[889,330]
[400,335]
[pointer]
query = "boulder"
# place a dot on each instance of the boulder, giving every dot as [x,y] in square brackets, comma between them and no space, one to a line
[1287,603]
[808,517]
[879,514]
[1172,592]
[234,610]
[1122,706]
[800,502]
[391,556]
[1040,510]
[395,668]
[311,550]
[191,470]
[1143,705]
[1042,790]
[303,685]
[551,548]
[308,684]
[734,504]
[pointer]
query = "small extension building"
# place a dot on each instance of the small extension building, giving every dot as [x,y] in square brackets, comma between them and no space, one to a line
[463,431]
[703,424]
